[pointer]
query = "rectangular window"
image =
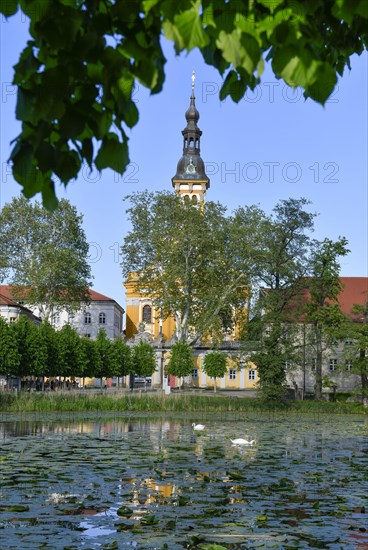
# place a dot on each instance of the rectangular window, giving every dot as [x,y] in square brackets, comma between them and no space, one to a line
[87,335]
[348,342]
[12,319]
[348,364]
[251,375]
[232,374]
[194,373]
[333,364]
[314,364]
[87,318]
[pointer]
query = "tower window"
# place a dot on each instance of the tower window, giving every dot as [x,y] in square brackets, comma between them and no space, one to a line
[147,314]
[191,143]
[197,143]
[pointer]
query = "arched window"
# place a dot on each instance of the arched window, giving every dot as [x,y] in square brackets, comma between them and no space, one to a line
[197,143]
[195,199]
[147,314]
[87,318]
[102,319]
[186,197]
[191,143]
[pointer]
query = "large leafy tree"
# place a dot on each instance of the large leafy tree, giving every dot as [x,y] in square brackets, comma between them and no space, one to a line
[77,72]
[48,342]
[323,309]
[72,355]
[143,360]
[104,366]
[181,360]
[283,263]
[9,355]
[123,358]
[193,262]
[31,355]
[215,365]
[357,352]
[44,255]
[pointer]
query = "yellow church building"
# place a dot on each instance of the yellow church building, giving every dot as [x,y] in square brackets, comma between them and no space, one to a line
[143,319]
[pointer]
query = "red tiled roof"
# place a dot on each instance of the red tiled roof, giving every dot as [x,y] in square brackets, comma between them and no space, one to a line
[6,301]
[355,291]
[5,290]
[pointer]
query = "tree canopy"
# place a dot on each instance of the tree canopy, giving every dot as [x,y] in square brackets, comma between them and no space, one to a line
[323,309]
[76,74]
[191,261]
[43,255]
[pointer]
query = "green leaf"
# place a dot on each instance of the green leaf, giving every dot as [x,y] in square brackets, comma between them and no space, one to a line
[26,66]
[25,107]
[187,29]
[130,114]
[240,49]
[67,165]
[100,121]
[149,4]
[72,123]
[362,9]
[112,154]
[22,157]
[45,155]
[189,26]
[345,9]
[323,87]
[87,150]
[297,69]
[9,7]
[270,4]
[49,199]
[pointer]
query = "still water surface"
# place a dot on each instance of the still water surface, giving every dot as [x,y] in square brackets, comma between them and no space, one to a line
[152,482]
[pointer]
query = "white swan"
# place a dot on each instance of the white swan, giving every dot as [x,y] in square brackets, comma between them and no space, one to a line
[198,427]
[241,441]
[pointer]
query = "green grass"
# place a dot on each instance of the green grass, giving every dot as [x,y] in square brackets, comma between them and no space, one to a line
[154,402]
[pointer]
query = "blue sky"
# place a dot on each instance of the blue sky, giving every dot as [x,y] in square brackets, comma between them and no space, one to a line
[272,145]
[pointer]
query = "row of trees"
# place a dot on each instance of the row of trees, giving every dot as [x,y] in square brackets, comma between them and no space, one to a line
[256,274]
[33,350]
[29,350]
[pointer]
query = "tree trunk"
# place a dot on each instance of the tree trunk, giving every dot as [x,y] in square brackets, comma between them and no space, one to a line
[363,374]
[214,384]
[318,382]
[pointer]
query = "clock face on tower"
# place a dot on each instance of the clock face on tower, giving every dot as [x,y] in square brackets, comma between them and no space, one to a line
[190,169]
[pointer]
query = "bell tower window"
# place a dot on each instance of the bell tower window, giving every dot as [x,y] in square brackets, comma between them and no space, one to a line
[147,314]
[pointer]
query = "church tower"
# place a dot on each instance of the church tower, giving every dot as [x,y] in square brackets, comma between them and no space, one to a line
[190,180]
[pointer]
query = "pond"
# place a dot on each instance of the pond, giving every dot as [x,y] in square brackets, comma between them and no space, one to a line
[144,482]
